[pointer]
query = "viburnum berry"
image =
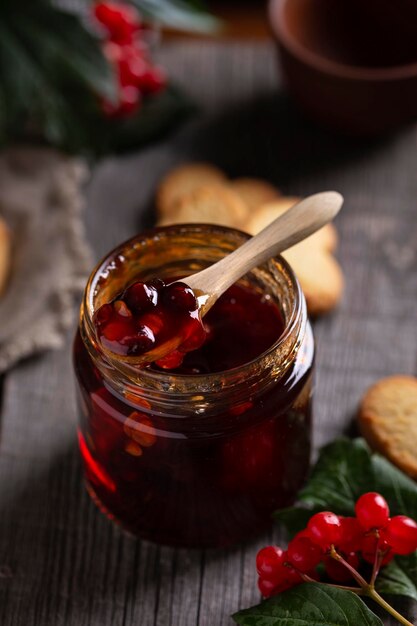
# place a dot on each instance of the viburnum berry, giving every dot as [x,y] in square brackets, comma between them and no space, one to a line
[269,588]
[130,100]
[269,562]
[304,554]
[339,572]
[121,21]
[401,534]
[152,80]
[179,296]
[140,297]
[324,529]
[371,544]
[351,535]
[372,511]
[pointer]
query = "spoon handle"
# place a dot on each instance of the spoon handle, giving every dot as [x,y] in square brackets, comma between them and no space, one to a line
[296,224]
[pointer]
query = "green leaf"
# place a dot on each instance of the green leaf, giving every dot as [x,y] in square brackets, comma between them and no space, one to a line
[156,117]
[397,488]
[345,470]
[399,578]
[310,604]
[52,74]
[342,473]
[179,14]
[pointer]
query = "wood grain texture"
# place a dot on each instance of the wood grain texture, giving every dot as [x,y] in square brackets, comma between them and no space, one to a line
[61,562]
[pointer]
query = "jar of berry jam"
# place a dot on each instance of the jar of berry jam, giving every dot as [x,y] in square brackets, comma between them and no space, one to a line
[200,455]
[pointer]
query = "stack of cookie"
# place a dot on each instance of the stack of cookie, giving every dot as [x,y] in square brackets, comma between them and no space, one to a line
[201,193]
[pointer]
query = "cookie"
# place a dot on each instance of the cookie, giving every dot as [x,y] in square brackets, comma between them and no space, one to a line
[320,276]
[326,237]
[319,273]
[388,420]
[5,255]
[181,181]
[212,204]
[254,192]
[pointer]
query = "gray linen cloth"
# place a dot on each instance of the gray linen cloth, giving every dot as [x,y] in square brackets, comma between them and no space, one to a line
[41,200]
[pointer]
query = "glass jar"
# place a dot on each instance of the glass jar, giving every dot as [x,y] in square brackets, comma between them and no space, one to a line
[194,460]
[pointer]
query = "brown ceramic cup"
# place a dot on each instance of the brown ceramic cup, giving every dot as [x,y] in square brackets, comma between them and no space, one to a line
[350,64]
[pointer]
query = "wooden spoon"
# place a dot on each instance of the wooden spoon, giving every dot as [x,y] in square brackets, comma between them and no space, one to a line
[296,224]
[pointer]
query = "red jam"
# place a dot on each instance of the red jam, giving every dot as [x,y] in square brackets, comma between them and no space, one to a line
[210,478]
[239,327]
[148,315]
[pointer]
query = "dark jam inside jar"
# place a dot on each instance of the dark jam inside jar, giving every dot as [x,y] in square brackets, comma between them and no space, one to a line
[241,325]
[202,454]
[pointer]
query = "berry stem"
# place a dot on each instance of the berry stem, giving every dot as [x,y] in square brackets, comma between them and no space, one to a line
[308,579]
[377,566]
[377,598]
[359,579]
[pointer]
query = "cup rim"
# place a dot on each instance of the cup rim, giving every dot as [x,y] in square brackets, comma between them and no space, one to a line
[326,65]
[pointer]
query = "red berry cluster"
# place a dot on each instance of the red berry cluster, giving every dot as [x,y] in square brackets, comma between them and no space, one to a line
[146,315]
[339,543]
[128,53]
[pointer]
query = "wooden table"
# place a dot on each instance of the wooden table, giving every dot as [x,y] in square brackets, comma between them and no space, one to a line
[61,562]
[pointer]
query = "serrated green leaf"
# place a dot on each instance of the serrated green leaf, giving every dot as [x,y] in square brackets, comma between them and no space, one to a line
[399,578]
[344,471]
[310,604]
[397,488]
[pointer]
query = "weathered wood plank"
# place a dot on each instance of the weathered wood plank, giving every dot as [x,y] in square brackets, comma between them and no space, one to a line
[63,564]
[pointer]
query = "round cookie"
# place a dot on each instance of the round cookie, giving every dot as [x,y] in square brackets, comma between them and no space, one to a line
[326,237]
[320,276]
[5,254]
[254,192]
[181,181]
[388,420]
[214,204]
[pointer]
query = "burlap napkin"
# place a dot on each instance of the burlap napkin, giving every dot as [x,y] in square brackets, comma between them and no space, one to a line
[41,200]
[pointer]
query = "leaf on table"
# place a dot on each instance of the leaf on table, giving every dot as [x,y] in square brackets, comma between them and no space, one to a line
[396,487]
[399,578]
[345,470]
[310,604]
[342,473]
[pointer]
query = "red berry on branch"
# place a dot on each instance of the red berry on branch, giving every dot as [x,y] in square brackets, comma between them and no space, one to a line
[268,588]
[324,529]
[270,563]
[121,21]
[130,100]
[372,511]
[351,535]
[304,554]
[371,544]
[153,80]
[339,572]
[131,70]
[401,534]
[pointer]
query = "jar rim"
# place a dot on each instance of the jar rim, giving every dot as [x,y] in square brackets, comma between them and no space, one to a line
[296,317]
